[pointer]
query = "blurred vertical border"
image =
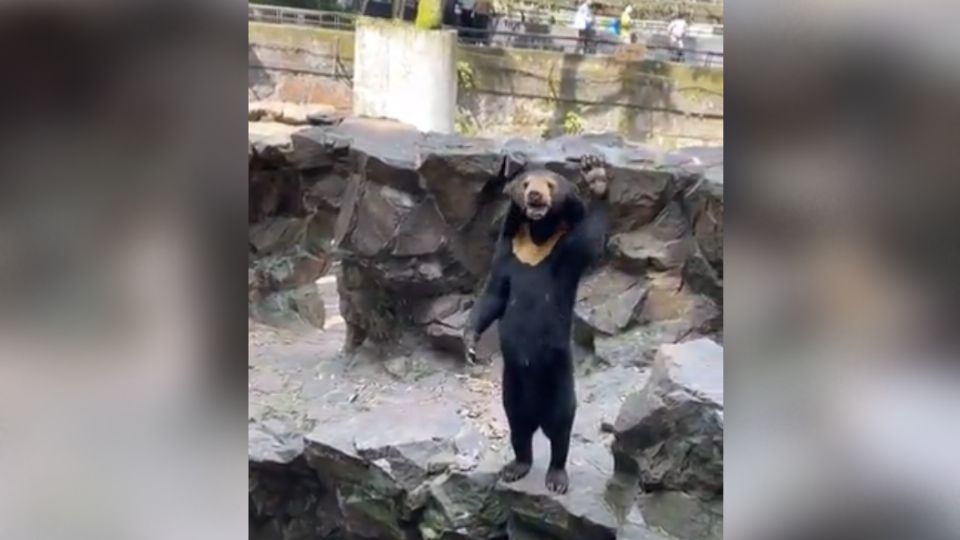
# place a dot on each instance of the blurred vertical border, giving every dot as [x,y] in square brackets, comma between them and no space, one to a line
[842,380]
[122,312]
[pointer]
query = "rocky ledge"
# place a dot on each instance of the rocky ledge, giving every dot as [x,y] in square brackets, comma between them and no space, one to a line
[406,443]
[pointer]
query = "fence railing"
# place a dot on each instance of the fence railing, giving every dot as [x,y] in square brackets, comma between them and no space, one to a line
[594,45]
[305,17]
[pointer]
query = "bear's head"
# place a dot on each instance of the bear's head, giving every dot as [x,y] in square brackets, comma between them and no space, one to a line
[540,193]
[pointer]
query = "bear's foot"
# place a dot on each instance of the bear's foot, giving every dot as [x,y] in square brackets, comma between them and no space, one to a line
[515,470]
[557,481]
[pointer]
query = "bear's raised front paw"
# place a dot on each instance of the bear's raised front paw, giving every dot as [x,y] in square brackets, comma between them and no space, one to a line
[589,162]
[595,173]
[515,470]
[557,481]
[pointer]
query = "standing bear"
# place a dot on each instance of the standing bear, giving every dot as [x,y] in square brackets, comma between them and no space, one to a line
[549,238]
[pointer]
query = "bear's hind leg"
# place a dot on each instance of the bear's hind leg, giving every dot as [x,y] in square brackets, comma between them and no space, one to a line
[558,429]
[522,427]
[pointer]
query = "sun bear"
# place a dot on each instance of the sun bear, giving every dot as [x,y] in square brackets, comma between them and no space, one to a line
[548,239]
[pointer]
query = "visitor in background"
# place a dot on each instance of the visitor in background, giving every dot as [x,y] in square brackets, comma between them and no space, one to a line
[626,25]
[482,13]
[451,16]
[677,32]
[583,22]
[466,18]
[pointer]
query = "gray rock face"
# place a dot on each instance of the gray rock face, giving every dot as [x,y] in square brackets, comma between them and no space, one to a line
[294,200]
[671,432]
[419,215]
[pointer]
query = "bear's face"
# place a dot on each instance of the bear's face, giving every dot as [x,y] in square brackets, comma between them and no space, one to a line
[538,192]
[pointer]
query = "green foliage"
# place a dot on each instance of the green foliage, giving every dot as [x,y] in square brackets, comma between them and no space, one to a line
[699,12]
[429,14]
[572,123]
[465,78]
[465,123]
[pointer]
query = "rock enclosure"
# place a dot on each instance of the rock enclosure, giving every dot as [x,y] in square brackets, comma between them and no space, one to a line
[407,222]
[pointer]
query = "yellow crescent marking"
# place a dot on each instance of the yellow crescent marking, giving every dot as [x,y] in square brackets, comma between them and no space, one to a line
[530,253]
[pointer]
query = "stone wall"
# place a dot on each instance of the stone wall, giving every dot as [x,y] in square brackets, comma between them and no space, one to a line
[413,218]
[513,91]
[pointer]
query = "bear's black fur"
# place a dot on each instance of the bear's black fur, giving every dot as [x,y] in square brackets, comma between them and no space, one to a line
[534,304]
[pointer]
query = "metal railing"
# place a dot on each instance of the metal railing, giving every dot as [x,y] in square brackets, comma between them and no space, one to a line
[304,17]
[595,45]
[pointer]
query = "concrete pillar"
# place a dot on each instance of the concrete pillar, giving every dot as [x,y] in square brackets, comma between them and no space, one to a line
[405,74]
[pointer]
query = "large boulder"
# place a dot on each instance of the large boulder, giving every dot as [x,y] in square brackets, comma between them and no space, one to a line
[670,433]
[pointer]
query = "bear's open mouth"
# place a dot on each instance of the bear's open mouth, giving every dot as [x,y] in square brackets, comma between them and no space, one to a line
[536,210]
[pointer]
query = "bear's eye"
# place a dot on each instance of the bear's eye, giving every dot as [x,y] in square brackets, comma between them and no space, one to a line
[526,184]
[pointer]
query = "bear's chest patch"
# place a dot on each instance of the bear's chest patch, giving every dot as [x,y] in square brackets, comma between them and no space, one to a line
[530,253]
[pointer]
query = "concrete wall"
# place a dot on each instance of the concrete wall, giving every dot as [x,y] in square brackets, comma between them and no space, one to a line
[300,65]
[405,74]
[512,91]
[532,93]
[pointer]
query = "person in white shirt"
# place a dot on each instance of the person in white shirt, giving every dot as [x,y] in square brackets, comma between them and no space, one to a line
[677,32]
[583,22]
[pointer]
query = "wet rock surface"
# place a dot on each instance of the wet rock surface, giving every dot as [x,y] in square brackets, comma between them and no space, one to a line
[368,242]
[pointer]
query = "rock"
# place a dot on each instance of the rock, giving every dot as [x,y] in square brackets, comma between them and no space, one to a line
[636,346]
[378,215]
[367,496]
[463,505]
[456,171]
[287,500]
[703,278]
[299,308]
[413,444]
[266,445]
[705,201]
[701,170]
[637,194]
[269,135]
[421,231]
[609,301]
[277,234]
[379,463]
[671,432]
[581,514]
[264,110]
[313,148]
[324,118]
[285,112]
[682,516]
[290,270]
[600,395]
[635,527]
[660,245]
